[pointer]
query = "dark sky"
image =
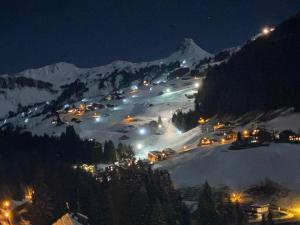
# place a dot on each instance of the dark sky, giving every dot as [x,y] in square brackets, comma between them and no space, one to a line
[94,32]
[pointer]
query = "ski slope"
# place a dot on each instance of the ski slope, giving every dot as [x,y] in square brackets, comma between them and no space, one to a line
[236,168]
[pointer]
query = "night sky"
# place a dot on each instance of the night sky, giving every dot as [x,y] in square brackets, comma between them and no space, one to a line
[95,32]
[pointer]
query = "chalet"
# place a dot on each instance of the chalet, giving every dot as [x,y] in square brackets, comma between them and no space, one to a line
[258,210]
[72,219]
[205,141]
[167,152]
[294,138]
[155,156]
[223,128]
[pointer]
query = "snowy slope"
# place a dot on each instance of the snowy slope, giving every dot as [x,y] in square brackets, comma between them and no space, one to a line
[45,84]
[238,169]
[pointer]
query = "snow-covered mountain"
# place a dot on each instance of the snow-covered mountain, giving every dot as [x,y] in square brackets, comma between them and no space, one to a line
[48,83]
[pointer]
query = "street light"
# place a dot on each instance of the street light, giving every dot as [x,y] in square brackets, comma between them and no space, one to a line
[6,204]
[139,146]
[142,131]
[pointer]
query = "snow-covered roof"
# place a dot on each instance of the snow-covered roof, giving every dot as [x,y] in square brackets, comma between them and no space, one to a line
[67,219]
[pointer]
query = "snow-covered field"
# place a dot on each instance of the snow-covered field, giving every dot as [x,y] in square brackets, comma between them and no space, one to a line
[236,168]
[136,104]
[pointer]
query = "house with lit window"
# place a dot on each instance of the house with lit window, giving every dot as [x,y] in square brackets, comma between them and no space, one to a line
[294,139]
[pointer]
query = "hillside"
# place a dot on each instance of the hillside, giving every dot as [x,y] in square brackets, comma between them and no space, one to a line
[263,75]
[237,169]
[62,83]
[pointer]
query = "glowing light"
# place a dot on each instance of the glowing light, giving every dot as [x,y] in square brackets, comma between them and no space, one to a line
[66,106]
[142,131]
[236,197]
[6,204]
[223,141]
[168,90]
[267,30]
[197,85]
[202,121]
[96,117]
[26,120]
[139,146]
[151,89]
[124,100]
[134,87]
[7,214]
[246,133]
[159,126]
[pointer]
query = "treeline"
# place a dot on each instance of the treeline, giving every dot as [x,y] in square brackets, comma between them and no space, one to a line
[67,147]
[263,75]
[185,121]
[132,196]
[127,195]
[216,207]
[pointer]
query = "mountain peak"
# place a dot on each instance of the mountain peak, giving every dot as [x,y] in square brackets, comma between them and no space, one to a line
[189,52]
[187,43]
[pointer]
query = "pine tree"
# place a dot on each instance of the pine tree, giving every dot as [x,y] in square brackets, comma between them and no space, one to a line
[207,214]
[156,215]
[263,220]
[270,220]
[159,121]
[239,136]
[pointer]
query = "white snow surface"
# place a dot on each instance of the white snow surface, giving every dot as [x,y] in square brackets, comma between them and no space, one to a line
[188,54]
[236,168]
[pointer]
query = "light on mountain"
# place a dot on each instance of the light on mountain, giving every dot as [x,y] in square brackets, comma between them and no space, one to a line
[168,90]
[267,30]
[134,87]
[179,131]
[142,131]
[139,146]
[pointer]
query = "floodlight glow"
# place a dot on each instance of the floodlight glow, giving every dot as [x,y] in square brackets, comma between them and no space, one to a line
[142,131]
[179,131]
[139,146]
[168,90]
[134,87]
[197,85]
